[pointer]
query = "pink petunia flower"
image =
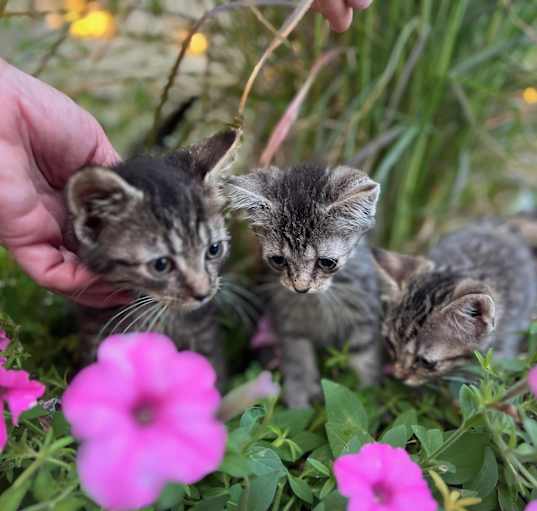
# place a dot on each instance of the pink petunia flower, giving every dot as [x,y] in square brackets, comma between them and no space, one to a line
[146,416]
[20,394]
[532,506]
[382,478]
[4,340]
[264,335]
[532,380]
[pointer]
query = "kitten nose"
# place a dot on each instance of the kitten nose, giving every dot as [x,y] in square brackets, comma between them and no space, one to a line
[200,296]
[301,290]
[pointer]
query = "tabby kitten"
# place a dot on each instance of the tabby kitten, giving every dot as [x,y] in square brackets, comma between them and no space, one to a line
[154,226]
[309,221]
[476,290]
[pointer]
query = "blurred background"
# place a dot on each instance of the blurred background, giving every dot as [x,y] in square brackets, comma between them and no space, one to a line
[436,99]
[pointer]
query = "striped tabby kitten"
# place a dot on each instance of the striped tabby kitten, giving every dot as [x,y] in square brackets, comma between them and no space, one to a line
[476,290]
[309,221]
[154,225]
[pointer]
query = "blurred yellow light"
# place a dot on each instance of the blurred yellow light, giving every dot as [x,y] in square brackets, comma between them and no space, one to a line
[95,24]
[198,44]
[530,95]
[75,9]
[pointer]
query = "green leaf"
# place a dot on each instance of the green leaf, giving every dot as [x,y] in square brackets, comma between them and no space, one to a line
[396,436]
[531,429]
[301,489]
[344,439]
[265,461]
[11,498]
[320,467]
[333,502]
[293,421]
[343,406]
[408,418]
[467,454]
[430,440]
[261,493]
[346,426]
[171,496]
[328,486]
[468,401]
[211,504]
[44,486]
[236,465]
[487,478]
[71,504]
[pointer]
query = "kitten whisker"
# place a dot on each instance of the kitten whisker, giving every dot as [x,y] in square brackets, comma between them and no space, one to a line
[142,322]
[133,305]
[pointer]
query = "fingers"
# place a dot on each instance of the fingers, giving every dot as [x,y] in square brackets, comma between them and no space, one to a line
[359,4]
[337,12]
[62,272]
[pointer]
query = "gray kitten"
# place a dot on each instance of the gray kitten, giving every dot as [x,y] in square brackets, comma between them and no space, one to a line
[154,226]
[309,221]
[476,290]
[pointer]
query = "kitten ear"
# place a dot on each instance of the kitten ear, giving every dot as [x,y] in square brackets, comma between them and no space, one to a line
[472,313]
[246,194]
[396,269]
[355,199]
[213,156]
[96,195]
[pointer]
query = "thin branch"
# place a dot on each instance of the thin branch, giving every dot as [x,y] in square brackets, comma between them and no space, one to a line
[280,132]
[51,51]
[290,23]
[172,76]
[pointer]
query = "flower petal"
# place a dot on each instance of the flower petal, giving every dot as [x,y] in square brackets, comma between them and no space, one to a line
[3,429]
[532,380]
[4,340]
[98,401]
[117,472]
[20,392]
[189,455]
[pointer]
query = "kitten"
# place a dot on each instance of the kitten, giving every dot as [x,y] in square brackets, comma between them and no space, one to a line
[476,290]
[309,221]
[155,226]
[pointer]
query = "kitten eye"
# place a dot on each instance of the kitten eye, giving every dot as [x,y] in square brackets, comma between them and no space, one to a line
[215,250]
[162,265]
[422,362]
[327,263]
[277,261]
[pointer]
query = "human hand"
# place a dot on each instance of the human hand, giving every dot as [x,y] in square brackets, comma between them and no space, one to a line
[44,138]
[339,12]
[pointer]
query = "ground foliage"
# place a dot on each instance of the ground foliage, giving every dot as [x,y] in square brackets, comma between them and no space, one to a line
[429,102]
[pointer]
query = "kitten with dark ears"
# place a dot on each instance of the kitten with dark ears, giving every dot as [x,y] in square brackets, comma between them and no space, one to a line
[310,221]
[155,226]
[476,290]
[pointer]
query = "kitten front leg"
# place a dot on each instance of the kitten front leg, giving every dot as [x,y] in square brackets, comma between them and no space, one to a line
[365,354]
[300,371]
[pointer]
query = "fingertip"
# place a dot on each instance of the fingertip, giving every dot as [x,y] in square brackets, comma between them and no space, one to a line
[341,24]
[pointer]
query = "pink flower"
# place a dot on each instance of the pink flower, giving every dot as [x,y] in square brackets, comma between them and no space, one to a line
[20,393]
[264,335]
[4,340]
[532,506]
[532,380]
[247,395]
[382,478]
[146,416]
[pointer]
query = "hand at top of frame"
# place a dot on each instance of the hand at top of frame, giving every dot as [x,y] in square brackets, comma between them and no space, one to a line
[339,12]
[44,138]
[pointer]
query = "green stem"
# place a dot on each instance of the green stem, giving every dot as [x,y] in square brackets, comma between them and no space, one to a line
[289,504]
[278,498]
